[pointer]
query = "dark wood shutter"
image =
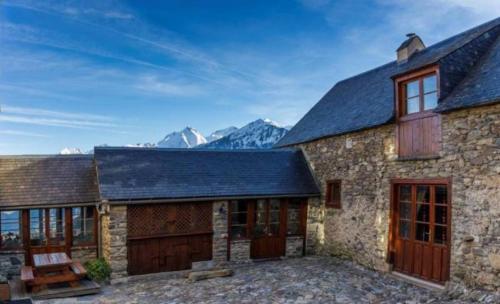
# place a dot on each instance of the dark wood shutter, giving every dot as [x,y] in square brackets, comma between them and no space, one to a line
[333,194]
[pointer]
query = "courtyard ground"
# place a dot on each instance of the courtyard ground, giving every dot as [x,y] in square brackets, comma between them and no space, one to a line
[303,280]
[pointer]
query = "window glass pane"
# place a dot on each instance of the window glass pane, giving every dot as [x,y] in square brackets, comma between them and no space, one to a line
[11,229]
[430,84]
[274,229]
[56,226]
[83,225]
[423,212]
[440,234]
[405,193]
[430,101]
[441,195]
[293,217]
[441,215]
[412,105]
[405,210]
[404,229]
[412,89]
[238,232]
[37,227]
[260,219]
[423,194]
[422,233]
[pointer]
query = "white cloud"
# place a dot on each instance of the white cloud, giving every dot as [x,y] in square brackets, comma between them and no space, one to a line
[22,133]
[56,114]
[151,84]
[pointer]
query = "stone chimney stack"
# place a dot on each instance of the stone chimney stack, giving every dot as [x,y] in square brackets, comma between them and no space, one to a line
[410,46]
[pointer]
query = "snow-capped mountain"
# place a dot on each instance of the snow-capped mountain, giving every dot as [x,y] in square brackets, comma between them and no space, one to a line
[67,151]
[259,134]
[220,133]
[187,138]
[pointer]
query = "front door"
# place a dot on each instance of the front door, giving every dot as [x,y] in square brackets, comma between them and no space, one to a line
[48,231]
[422,230]
[268,240]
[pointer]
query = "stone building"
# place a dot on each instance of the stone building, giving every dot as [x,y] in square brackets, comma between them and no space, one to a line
[408,161]
[397,168]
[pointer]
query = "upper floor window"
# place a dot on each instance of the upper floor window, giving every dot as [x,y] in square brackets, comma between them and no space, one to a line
[418,128]
[420,94]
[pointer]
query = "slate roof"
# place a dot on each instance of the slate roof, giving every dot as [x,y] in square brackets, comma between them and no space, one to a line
[47,180]
[367,100]
[156,173]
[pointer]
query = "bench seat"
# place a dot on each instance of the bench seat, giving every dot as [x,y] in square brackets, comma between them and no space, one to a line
[27,274]
[78,269]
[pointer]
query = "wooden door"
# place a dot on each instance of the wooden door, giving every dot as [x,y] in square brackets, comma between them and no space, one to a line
[49,231]
[168,237]
[268,229]
[422,230]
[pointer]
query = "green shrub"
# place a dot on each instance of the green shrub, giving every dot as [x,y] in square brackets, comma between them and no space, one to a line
[98,270]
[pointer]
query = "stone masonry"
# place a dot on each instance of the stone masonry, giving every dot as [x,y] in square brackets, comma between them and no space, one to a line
[240,251]
[366,161]
[84,254]
[219,242]
[294,246]
[114,240]
[10,263]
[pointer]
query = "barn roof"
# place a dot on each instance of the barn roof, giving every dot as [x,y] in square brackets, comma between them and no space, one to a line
[469,74]
[156,173]
[47,180]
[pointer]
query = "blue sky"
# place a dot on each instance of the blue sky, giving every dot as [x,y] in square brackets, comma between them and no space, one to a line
[83,73]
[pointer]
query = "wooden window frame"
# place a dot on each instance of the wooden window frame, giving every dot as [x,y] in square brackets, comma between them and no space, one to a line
[21,232]
[230,220]
[401,93]
[332,203]
[94,232]
[302,217]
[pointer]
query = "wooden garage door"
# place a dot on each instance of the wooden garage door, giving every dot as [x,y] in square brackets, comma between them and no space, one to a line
[168,237]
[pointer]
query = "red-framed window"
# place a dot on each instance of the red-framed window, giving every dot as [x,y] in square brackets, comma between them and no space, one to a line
[334,194]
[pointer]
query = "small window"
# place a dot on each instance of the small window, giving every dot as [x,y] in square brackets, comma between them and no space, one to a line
[83,225]
[56,226]
[10,229]
[239,219]
[294,216]
[37,227]
[333,194]
[421,94]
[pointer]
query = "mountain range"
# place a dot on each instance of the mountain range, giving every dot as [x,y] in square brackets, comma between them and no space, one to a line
[259,134]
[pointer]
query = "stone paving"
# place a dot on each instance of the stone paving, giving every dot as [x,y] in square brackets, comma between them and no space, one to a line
[302,280]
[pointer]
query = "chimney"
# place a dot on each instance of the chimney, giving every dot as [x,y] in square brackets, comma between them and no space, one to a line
[410,46]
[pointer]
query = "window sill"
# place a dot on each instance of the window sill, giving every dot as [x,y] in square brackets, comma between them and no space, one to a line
[240,240]
[83,247]
[12,251]
[412,158]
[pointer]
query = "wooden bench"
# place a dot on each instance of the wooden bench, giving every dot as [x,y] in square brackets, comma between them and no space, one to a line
[27,275]
[78,269]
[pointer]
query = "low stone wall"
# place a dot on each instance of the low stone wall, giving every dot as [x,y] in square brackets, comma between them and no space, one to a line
[10,263]
[240,251]
[219,241]
[114,240]
[294,246]
[84,254]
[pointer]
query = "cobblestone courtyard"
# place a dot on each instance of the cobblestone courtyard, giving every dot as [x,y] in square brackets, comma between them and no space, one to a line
[304,280]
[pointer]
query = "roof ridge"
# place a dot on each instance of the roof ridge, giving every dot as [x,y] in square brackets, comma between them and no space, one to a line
[118,148]
[45,156]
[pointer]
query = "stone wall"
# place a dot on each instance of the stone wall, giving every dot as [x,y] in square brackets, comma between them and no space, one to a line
[219,242]
[240,251]
[84,254]
[10,263]
[315,226]
[366,161]
[294,246]
[114,240]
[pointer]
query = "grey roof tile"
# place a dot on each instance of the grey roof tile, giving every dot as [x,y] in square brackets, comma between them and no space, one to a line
[47,180]
[367,100]
[143,173]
